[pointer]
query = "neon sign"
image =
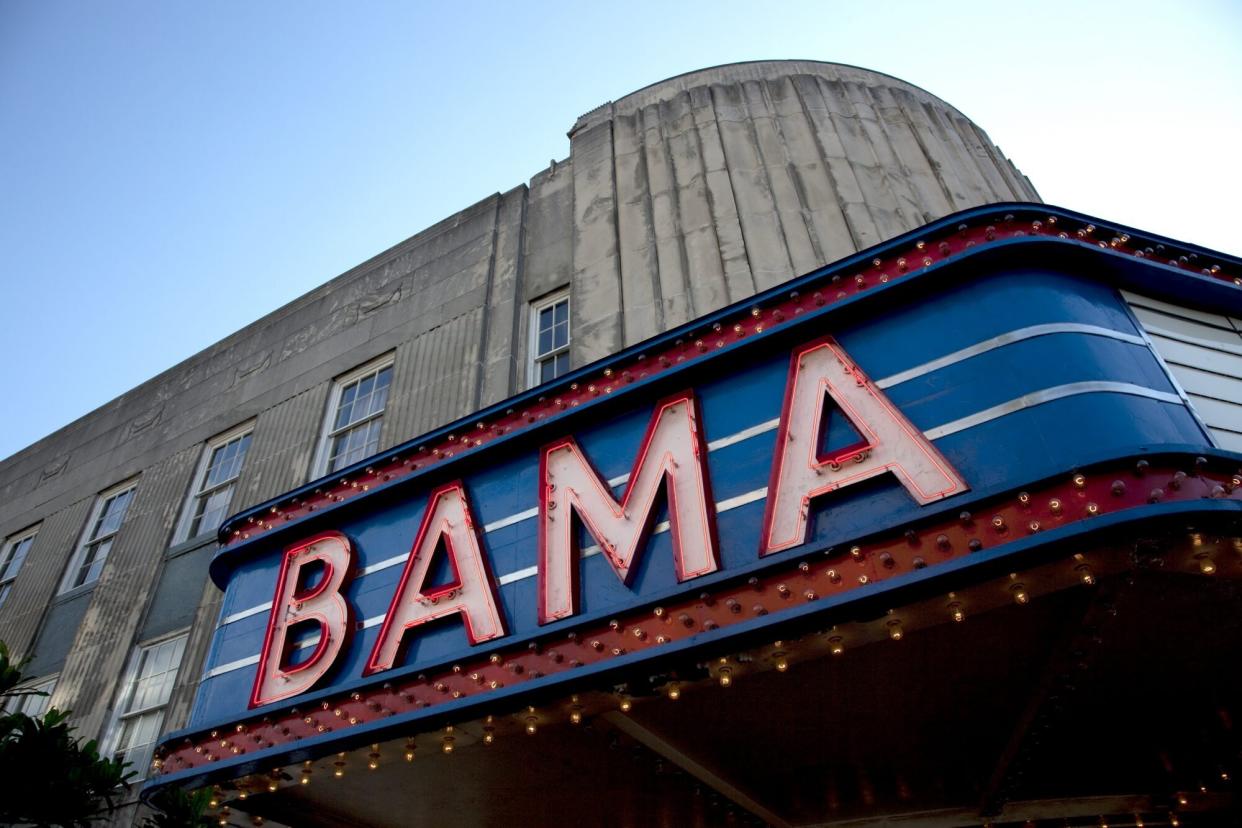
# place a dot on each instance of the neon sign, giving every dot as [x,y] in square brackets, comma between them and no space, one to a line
[670,459]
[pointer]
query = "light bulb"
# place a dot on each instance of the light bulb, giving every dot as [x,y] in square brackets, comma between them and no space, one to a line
[625,704]
[531,726]
[724,676]
[781,662]
[674,691]
[895,632]
[835,645]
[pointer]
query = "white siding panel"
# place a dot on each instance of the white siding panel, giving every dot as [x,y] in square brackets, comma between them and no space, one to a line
[1217,414]
[1177,352]
[1230,440]
[1185,330]
[1167,309]
[1208,383]
[1204,353]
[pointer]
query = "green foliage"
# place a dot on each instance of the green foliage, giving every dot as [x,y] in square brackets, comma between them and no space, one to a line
[178,809]
[47,777]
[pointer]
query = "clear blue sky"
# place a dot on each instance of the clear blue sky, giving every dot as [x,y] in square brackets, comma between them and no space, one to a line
[170,171]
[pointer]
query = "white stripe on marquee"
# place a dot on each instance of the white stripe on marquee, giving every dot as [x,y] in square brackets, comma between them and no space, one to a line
[231,666]
[1000,341]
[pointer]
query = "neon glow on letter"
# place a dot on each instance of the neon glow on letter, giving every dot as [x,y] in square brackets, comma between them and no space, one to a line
[890,443]
[472,592]
[293,604]
[672,454]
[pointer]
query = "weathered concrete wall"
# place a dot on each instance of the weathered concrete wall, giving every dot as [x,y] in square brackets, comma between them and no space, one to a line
[675,200]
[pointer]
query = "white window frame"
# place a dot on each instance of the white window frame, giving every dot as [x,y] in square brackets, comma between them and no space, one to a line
[198,488]
[21,704]
[85,540]
[128,686]
[535,359]
[6,558]
[326,432]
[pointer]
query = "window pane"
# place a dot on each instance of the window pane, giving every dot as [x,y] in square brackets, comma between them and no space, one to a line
[148,692]
[226,462]
[356,422]
[355,444]
[243,446]
[549,334]
[364,405]
[344,412]
[380,396]
[336,450]
[113,514]
[562,364]
[93,562]
[14,555]
[209,504]
[214,469]
[342,449]
[137,740]
[32,705]
[212,509]
[373,438]
[363,398]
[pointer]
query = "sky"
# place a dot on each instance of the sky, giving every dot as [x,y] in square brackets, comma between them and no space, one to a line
[172,171]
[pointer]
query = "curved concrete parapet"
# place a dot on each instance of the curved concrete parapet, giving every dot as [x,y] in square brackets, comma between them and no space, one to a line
[703,188]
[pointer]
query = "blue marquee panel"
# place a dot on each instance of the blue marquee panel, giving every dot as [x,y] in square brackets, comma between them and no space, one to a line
[1098,342]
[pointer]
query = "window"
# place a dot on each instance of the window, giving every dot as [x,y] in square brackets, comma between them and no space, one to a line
[88,561]
[355,414]
[31,699]
[214,482]
[15,550]
[549,338]
[140,710]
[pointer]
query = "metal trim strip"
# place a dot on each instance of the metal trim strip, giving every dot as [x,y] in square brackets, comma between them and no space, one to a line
[1000,341]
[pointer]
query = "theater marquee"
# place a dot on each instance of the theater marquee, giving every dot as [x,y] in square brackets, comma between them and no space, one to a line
[939,409]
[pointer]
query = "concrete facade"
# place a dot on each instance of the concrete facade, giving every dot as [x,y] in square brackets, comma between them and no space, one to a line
[675,200]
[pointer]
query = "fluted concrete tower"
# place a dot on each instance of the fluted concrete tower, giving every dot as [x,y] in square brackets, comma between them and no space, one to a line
[701,189]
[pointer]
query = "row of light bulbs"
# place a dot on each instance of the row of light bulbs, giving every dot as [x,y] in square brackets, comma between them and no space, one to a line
[725,673]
